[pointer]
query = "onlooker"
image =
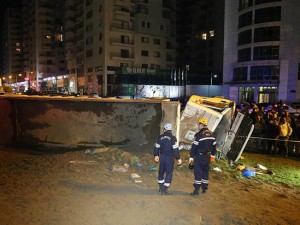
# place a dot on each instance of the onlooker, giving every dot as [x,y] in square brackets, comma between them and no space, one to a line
[272,114]
[203,147]
[294,145]
[166,148]
[272,133]
[257,131]
[285,132]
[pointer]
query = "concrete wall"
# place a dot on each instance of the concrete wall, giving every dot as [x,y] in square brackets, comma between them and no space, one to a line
[72,123]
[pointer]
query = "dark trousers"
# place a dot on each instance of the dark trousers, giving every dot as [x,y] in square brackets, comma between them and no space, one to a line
[166,166]
[271,146]
[283,146]
[201,171]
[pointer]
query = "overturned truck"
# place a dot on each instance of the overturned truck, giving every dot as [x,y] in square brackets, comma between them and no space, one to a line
[232,130]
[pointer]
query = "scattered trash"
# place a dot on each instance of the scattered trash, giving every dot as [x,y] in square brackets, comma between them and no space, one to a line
[152,168]
[120,169]
[96,151]
[248,173]
[261,167]
[264,172]
[134,160]
[82,162]
[139,164]
[240,167]
[134,176]
[217,169]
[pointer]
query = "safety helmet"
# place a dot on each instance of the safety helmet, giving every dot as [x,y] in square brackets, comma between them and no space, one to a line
[168,126]
[240,167]
[203,121]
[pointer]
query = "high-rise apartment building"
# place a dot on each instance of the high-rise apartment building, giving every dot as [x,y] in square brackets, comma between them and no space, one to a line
[11,46]
[43,44]
[200,36]
[262,50]
[112,45]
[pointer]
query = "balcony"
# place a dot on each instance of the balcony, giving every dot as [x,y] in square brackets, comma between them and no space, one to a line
[119,56]
[121,3]
[118,42]
[121,28]
[122,14]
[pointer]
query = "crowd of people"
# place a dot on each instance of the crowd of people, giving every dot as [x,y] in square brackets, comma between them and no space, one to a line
[276,131]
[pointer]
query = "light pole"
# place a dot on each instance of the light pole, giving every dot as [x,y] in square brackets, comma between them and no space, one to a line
[211,82]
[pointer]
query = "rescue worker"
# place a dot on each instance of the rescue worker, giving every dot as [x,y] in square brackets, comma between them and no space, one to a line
[165,150]
[203,149]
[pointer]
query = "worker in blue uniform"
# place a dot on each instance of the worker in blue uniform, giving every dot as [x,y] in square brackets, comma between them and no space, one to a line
[203,149]
[165,150]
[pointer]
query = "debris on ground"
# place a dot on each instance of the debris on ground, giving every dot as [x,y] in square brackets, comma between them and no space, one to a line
[97,151]
[261,167]
[152,168]
[121,168]
[240,167]
[248,173]
[82,162]
[217,169]
[134,176]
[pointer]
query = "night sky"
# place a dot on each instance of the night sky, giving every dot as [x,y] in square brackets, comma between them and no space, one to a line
[9,3]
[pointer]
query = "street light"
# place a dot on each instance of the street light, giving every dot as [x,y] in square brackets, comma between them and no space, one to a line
[17,77]
[211,82]
[17,86]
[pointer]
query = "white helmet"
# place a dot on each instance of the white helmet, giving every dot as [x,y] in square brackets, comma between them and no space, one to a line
[168,126]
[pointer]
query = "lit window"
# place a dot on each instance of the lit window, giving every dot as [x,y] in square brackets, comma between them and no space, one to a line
[48,37]
[59,37]
[211,33]
[204,36]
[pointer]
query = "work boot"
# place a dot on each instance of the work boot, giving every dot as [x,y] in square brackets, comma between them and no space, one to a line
[196,190]
[165,191]
[161,188]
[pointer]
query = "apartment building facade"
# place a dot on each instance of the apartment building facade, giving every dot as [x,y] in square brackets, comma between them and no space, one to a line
[43,45]
[11,47]
[200,35]
[261,50]
[111,45]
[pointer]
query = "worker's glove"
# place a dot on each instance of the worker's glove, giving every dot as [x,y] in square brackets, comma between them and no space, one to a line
[156,158]
[179,161]
[212,158]
[191,160]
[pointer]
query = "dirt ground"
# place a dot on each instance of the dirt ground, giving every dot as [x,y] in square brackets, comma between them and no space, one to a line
[87,188]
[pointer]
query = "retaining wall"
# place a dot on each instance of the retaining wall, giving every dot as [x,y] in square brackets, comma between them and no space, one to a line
[77,122]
